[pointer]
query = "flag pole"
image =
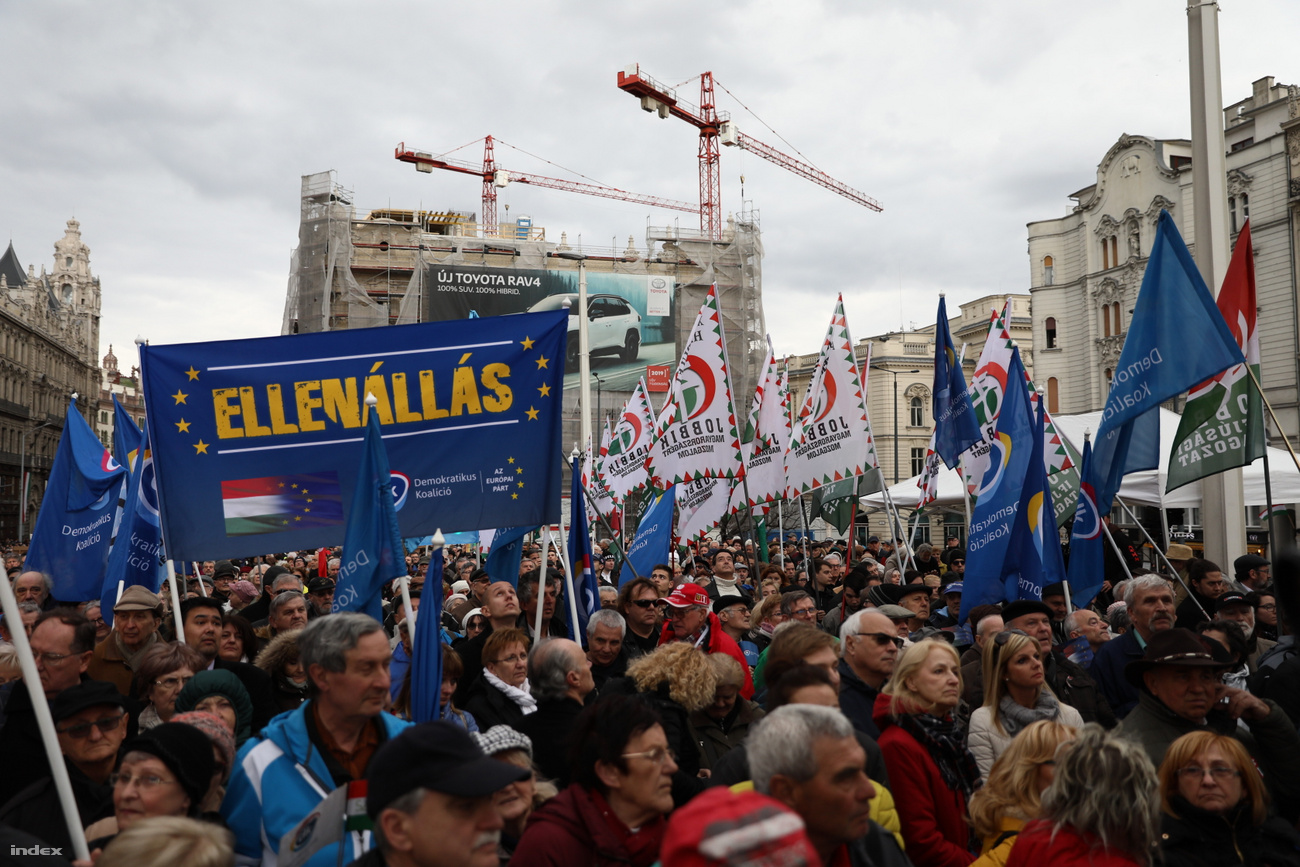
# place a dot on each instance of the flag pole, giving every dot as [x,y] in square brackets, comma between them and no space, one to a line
[1170,566]
[1277,424]
[1268,506]
[410,609]
[176,602]
[1115,547]
[45,722]
[540,598]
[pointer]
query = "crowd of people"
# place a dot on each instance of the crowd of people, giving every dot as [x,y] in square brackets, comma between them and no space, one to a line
[810,703]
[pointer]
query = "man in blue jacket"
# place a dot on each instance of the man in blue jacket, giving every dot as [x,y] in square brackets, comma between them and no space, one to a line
[305,754]
[1150,602]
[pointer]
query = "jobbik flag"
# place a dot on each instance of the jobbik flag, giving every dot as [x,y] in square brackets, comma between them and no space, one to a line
[954,418]
[133,557]
[622,469]
[585,584]
[1223,421]
[1034,553]
[831,438]
[928,481]
[255,441]
[768,434]
[75,524]
[695,435]
[994,516]
[372,545]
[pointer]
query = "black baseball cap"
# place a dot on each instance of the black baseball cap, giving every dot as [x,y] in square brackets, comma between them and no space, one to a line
[320,585]
[440,756]
[1232,597]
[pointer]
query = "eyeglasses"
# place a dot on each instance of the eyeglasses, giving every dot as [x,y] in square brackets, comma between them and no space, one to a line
[512,658]
[1267,606]
[144,781]
[645,603]
[81,731]
[1219,772]
[883,638]
[804,612]
[1005,635]
[658,755]
[173,682]
[52,658]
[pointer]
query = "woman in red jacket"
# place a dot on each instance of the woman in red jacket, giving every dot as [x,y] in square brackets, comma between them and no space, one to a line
[1101,809]
[932,773]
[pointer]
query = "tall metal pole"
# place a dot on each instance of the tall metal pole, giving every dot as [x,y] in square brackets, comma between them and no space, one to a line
[22,471]
[1223,504]
[584,355]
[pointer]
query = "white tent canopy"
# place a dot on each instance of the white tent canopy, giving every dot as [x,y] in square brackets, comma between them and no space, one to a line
[1144,488]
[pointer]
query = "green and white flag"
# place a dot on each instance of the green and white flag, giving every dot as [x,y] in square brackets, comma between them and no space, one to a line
[1223,422]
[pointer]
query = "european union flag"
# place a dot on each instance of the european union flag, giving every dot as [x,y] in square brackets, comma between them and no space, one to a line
[426,664]
[585,583]
[372,546]
[1034,552]
[1087,570]
[955,426]
[507,553]
[75,524]
[133,558]
[271,503]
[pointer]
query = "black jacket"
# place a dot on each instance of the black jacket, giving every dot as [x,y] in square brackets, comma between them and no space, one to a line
[1197,838]
[37,810]
[1188,615]
[549,727]
[492,707]
[857,698]
[1075,687]
[877,848]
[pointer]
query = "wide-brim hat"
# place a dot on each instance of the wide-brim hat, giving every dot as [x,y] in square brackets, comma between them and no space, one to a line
[1177,647]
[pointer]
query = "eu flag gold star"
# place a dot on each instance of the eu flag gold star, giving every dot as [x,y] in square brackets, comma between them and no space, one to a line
[180,396]
[521,484]
[514,496]
[200,448]
[545,390]
[532,414]
[527,343]
[510,460]
[183,426]
[192,373]
[541,362]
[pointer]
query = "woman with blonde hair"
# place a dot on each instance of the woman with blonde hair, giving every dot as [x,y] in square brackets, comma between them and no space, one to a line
[170,840]
[1015,695]
[1215,807]
[1099,811]
[931,772]
[1013,794]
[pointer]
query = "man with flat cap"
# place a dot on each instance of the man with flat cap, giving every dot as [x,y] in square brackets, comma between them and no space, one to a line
[430,797]
[136,618]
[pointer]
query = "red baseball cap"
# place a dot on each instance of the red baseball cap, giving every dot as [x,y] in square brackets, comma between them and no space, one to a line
[722,827]
[686,595]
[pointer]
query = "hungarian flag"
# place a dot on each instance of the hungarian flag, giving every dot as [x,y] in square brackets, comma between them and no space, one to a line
[272,503]
[767,434]
[1223,422]
[928,481]
[622,469]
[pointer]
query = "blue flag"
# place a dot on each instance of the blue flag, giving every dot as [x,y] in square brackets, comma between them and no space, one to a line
[585,583]
[372,546]
[133,558]
[507,552]
[994,516]
[126,435]
[1087,557]
[75,524]
[1177,339]
[653,540]
[426,664]
[1034,553]
[955,426]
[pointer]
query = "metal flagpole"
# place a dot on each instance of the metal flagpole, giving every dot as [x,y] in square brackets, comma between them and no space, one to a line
[540,598]
[803,523]
[573,600]
[1115,547]
[1170,566]
[408,607]
[176,602]
[780,536]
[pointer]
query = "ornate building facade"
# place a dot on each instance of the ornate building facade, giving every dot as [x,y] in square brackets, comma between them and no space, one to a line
[49,349]
[128,391]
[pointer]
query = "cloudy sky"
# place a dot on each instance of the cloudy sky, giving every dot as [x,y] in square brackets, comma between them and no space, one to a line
[177,133]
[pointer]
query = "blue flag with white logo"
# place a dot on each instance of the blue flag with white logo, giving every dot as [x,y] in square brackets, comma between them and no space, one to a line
[1034,553]
[133,557]
[653,540]
[372,546]
[993,517]
[955,426]
[507,553]
[1177,339]
[126,435]
[426,662]
[585,583]
[75,523]
[1087,557]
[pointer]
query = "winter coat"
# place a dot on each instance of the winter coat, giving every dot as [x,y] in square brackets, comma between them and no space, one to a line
[1197,838]
[876,848]
[986,741]
[996,848]
[713,740]
[686,782]
[1067,680]
[286,766]
[858,700]
[550,728]
[38,810]
[570,830]
[933,815]
[1107,670]
[1036,846]
[492,707]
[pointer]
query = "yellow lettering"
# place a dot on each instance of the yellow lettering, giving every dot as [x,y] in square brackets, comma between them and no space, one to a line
[278,424]
[464,392]
[428,398]
[401,402]
[225,413]
[306,403]
[492,376]
[340,401]
[251,427]
[377,386]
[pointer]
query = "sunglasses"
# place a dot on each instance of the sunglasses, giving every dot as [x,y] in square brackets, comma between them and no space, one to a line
[883,638]
[1005,635]
[647,603]
[82,731]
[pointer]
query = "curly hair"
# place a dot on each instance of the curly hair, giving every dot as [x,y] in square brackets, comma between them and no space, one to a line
[691,681]
[1011,789]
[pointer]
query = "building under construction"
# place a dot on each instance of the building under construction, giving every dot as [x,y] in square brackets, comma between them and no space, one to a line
[368,269]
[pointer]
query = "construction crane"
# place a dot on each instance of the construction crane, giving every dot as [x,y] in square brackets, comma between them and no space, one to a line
[495,177]
[716,126]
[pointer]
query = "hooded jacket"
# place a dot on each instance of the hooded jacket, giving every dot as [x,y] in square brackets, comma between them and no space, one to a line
[277,780]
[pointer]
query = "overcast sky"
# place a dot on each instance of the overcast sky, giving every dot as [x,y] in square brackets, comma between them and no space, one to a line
[177,133]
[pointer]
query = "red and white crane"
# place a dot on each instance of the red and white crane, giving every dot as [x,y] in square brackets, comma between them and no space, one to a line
[495,177]
[717,127]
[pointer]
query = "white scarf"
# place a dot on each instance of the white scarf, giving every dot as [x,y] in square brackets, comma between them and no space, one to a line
[519,696]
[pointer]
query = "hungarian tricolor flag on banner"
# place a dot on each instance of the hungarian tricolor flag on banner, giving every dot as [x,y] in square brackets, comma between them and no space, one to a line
[1223,422]
[767,435]
[622,469]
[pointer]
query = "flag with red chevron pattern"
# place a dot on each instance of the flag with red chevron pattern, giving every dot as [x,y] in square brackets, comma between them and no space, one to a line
[623,467]
[768,433]
[928,481]
[831,438]
[697,438]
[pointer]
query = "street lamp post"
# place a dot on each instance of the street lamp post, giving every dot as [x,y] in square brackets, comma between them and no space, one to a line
[894,374]
[600,383]
[22,472]
[584,348]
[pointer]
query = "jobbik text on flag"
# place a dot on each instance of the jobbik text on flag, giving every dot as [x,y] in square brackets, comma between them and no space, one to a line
[256,441]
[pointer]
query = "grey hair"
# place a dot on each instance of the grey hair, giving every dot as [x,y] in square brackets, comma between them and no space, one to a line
[1149,581]
[1105,787]
[548,669]
[289,580]
[1072,620]
[979,627]
[852,624]
[281,600]
[89,604]
[46,581]
[1118,617]
[326,641]
[783,742]
[607,617]
[408,804]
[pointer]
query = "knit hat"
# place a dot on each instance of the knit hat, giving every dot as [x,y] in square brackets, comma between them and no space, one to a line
[500,739]
[185,751]
[725,828]
[215,728]
[224,683]
[244,590]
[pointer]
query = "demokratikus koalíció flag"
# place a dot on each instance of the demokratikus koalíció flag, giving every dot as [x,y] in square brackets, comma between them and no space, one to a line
[956,429]
[1034,553]
[133,558]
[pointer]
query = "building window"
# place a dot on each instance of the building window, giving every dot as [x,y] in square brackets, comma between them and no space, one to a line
[916,414]
[1114,312]
[1105,320]
[1052,405]
[1050,325]
[1239,206]
[1107,374]
[918,461]
[1049,271]
[1105,254]
[1114,249]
